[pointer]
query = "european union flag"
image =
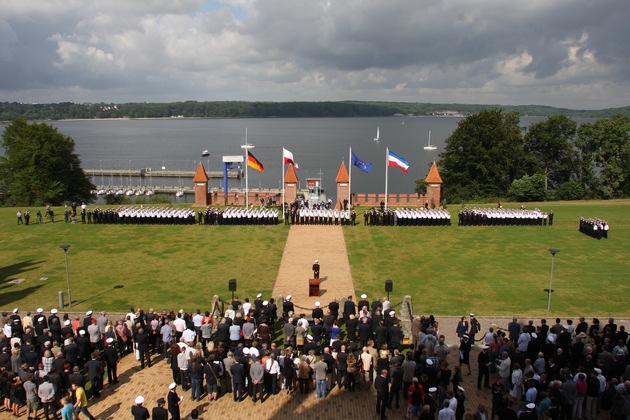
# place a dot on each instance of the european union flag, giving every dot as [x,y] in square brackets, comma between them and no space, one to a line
[363,165]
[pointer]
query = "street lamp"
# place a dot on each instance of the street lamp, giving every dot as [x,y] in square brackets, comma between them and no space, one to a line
[553,252]
[65,251]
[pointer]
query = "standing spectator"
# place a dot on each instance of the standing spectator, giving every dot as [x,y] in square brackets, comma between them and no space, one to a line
[110,355]
[46,394]
[173,402]
[95,373]
[320,377]
[80,407]
[159,412]
[381,383]
[139,411]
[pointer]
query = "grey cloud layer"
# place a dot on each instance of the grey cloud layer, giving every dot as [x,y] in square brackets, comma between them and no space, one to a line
[562,53]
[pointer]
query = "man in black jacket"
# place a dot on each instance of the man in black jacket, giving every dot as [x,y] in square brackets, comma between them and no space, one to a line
[381,383]
[110,355]
[95,372]
[142,340]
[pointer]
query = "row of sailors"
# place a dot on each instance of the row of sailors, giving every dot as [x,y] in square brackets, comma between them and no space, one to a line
[407,217]
[144,215]
[306,216]
[238,216]
[501,217]
[596,228]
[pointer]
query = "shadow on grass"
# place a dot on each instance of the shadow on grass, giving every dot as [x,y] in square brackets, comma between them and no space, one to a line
[7,296]
[11,271]
[92,297]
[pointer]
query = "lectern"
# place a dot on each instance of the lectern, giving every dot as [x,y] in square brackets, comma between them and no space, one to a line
[313,287]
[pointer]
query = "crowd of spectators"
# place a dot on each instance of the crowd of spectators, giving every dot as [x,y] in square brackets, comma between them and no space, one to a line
[253,350]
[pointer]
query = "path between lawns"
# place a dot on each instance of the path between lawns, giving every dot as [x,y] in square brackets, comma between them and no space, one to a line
[304,245]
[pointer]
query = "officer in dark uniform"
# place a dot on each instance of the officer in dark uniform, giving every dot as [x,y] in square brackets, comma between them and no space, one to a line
[316,269]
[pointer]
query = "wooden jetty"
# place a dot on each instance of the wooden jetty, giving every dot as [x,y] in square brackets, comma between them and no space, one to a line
[141,173]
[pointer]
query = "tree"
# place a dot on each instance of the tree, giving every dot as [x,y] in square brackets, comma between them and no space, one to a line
[483,156]
[40,166]
[421,186]
[604,148]
[528,188]
[550,150]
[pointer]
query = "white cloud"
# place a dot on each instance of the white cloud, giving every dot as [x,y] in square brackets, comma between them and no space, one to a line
[475,51]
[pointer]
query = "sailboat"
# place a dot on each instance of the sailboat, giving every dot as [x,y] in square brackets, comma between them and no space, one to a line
[205,153]
[378,134]
[430,146]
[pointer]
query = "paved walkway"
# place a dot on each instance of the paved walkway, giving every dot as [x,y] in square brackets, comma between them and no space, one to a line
[304,245]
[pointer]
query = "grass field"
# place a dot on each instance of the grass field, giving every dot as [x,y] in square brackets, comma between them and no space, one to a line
[447,270]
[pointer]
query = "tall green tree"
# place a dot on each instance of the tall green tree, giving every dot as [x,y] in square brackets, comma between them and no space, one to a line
[40,166]
[483,156]
[604,148]
[550,150]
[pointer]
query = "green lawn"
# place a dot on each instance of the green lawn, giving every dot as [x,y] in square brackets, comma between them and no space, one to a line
[447,270]
[500,270]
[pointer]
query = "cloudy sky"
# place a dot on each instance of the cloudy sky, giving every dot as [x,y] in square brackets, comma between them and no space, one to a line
[566,53]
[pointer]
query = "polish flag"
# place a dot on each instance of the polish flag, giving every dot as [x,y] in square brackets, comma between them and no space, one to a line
[288,158]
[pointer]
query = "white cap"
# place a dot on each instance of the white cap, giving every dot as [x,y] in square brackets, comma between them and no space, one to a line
[53,311]
[534,335]
[317,304]
[597,370]
[310,337]
[254,351]
[392,313]
[259,295]
[139,399]
[289,297]
[461,388]
[485,347]
[429,362]
[246,350]
[109,340]
[66,322]
[173,385]
[15,311]
[471,314]
[316,261]
[433,389]
[82,332]
[40,310]
[363,296]
[181,311]
[88,313]
[530,406]
[265,303]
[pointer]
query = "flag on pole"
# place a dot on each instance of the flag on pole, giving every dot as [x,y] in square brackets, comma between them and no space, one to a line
[361,164]
[288,158]
[252,162]
[394,160]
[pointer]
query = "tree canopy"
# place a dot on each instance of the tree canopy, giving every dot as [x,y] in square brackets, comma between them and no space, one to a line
[489,157]
[40,166]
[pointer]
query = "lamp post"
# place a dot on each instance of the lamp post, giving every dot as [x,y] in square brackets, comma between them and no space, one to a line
[553,252]
[65,251]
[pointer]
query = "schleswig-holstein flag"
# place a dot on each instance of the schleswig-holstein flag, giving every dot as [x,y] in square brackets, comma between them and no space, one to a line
[395,160]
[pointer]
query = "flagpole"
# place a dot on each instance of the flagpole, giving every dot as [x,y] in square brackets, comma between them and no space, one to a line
[282,181]
[246,146]
[386,173]
[350,180]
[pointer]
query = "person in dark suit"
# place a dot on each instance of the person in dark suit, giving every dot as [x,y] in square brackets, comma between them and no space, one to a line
[483,360]
[173,402]
[95,373]
[142,340]
[238,379]
[316,269]
[349,308]
[159,412]
[333,307]
[381,383]
[138,411]
[110,356]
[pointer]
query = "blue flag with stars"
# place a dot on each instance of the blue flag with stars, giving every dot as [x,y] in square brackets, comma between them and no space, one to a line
[361,164]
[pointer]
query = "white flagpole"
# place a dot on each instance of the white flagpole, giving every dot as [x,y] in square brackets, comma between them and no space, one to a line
[386,173]
[246,166]
[282,181]
[350,180]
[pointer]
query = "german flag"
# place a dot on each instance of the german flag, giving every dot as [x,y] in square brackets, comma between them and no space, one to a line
[252,162]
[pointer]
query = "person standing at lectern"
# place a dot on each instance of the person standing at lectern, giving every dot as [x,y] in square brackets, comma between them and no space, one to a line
[316,269]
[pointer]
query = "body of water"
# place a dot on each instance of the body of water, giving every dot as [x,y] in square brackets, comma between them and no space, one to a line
[319,145]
